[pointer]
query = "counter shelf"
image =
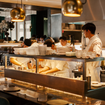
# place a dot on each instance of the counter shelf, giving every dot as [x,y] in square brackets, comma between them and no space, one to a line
[65,84]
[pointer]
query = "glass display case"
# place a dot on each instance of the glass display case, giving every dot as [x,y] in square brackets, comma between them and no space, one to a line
[33,76]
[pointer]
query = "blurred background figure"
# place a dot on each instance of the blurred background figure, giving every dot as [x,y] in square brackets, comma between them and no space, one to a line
[33,37]
[6,37]
[26,43]
[21,38]
[37,39]
[50,43]
[42,39]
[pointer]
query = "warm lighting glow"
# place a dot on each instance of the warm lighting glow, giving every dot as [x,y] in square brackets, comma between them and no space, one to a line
[16,20]
[72,8]
[72,15]
[17,14]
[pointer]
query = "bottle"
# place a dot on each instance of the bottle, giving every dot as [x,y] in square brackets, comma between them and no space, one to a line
[88,78]
[73,48]
[69,40]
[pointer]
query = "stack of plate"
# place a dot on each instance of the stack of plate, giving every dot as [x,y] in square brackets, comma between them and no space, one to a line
[95,84]
[58,102]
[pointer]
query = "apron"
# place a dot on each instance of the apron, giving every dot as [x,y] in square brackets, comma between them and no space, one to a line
[93,68]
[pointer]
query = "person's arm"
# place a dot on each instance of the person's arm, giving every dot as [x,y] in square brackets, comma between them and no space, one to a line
[30,65]
[14,61]
[44,69]
[51,71]
[97,49]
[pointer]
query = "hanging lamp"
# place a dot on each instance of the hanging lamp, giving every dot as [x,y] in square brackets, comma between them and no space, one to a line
[17,14]
[72,8]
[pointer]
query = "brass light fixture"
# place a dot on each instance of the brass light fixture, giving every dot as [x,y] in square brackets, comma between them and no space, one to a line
[17,14]
[72,8]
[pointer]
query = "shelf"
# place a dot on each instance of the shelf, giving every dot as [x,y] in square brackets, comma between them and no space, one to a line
[72,30]
[58,57]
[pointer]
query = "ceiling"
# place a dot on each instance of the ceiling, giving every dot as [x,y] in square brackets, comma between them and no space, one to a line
[45,3]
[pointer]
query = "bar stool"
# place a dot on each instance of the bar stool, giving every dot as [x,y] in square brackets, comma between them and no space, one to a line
[4,101]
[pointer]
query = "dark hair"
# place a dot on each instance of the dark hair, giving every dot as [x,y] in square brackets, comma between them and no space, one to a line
[89,26]
[49,42]
[37,36]
[6,33]
[27,42]
[42,37]
[56,39]
[22,38]
[63,38]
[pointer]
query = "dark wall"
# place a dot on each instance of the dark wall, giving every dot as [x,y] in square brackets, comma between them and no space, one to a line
[37,22]
[33,25]
[40,22]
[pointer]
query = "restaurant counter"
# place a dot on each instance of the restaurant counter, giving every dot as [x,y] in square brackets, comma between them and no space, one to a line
[41,95]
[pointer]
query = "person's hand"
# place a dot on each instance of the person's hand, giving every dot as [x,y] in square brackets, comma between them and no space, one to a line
[23,67]
[87,57]
[43,73]
[29,65]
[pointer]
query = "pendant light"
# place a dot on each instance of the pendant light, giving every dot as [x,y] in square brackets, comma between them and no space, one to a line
[17,14]
[72,8]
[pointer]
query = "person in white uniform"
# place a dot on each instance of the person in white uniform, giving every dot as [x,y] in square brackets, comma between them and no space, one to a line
[94,45]
[57,68]
[63,42]
[20,61]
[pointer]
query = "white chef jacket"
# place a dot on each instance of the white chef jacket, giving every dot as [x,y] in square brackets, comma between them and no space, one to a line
[93,68]
[65,67]
[23,60]
[59,45]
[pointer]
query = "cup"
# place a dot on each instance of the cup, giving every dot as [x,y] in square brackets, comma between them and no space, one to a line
[79,54]
[42,49]
[84,54]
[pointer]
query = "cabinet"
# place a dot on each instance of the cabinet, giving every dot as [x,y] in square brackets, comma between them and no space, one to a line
[75,30]
[64,84]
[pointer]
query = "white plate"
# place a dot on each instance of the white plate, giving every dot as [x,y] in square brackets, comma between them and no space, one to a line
[95,84]
[103,83]
[60,53]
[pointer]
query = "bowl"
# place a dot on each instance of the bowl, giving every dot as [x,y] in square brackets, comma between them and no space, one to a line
[32,51]
[49,51]
[16,50]
[22,51]
[42,49]
[70,53]
[84,54]
[79,53]
[63,49]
